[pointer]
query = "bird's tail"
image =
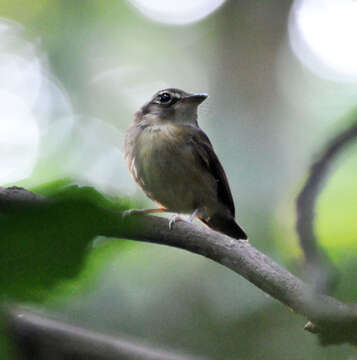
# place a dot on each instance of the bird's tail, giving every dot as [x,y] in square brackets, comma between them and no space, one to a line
[226,225]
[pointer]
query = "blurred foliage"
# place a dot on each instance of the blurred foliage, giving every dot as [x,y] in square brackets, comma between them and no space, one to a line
[46,243]
[49,250]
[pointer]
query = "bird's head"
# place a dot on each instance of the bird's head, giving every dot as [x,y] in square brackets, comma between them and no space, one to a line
[172,105]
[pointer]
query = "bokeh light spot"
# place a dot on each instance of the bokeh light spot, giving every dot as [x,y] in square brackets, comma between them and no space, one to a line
[19,138]
[177,12]
[323,36]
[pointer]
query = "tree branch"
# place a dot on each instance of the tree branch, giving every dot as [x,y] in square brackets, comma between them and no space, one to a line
[332,320]
[319,269]
[40,337]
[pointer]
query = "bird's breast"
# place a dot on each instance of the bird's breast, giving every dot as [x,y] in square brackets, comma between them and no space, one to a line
[167,168]
[161,152]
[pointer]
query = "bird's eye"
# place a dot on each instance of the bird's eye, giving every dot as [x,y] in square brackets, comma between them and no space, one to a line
[164,97]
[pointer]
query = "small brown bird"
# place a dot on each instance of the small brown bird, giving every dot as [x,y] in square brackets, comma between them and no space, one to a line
[173,161]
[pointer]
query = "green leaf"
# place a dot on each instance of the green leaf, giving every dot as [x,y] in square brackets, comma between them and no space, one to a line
[44,243]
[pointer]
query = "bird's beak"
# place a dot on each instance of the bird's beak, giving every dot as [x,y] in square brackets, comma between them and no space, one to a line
[195,98]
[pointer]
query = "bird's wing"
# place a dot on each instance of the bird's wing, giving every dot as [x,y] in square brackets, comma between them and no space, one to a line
[202,146]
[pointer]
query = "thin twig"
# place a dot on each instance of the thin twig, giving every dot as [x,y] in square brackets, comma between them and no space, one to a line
[319,269]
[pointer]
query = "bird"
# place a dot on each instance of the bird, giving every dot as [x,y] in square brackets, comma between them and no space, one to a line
[173,161]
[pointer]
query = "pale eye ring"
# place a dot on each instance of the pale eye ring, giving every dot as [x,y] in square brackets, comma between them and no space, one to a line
[164,97]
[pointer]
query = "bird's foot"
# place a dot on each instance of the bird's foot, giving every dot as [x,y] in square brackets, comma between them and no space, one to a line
[174,219]
[192,216]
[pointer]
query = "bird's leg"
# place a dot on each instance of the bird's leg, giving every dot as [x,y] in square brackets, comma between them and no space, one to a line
[143,211]
[192,216]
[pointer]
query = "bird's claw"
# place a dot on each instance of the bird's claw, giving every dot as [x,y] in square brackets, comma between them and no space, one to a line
[174,219]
